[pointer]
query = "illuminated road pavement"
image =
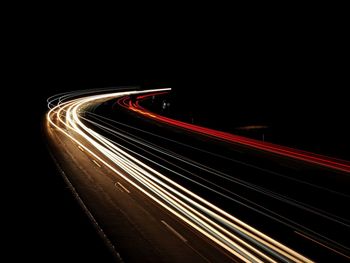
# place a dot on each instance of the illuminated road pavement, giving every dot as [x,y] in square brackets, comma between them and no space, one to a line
[175,196]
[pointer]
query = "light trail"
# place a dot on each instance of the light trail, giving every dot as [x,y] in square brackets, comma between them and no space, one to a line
[142,144]
[222,228]
[326,161]
[200,180]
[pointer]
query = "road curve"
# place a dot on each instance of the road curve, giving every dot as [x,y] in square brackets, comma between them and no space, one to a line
[176,219]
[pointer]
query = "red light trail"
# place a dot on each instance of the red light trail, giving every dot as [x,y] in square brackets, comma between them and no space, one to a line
[326,161]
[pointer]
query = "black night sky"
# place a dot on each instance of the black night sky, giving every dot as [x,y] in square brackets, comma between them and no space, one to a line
[292,77]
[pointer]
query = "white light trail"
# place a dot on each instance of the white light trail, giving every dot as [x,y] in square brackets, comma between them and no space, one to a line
[245,242]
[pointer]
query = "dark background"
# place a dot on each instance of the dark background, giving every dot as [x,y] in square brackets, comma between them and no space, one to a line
[289,72]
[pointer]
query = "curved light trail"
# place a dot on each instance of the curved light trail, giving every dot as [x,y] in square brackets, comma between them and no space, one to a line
[67,115]
[333,163]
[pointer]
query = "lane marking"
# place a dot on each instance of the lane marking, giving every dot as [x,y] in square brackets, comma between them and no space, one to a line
[311,239]
[122,186]
[96,163]
[81,148]
[116,186]
[174,231]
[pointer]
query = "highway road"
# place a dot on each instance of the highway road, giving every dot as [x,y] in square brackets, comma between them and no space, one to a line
[160,190]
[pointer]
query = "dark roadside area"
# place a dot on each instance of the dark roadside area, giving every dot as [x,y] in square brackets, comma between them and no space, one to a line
[49,223]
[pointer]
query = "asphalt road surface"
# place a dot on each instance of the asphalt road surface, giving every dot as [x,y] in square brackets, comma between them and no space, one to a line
[162,191]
